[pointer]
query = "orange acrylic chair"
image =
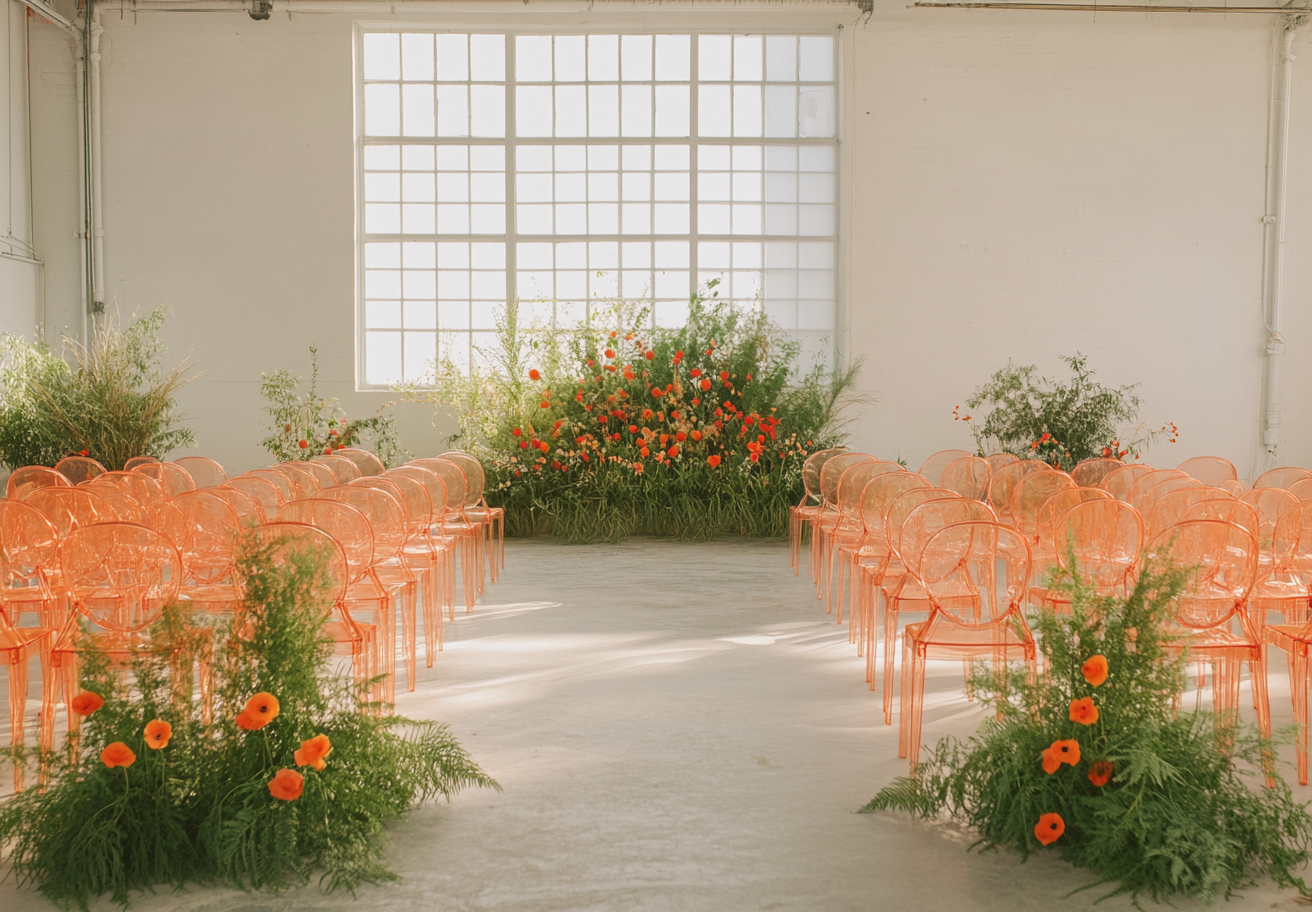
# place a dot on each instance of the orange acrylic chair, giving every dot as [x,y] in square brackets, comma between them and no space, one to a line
[439,541]
[144,490]
[1282,477]
[1005,478]
[908,532]
[456,530]
[17,646]
[1028,496]
[29,568]
[849,533]
[25,480]
[424,557]
[974,574]
[286,490]
[1118,482]
[1211,615]
[365,461]
[1283,578]
[173,478]
[809,507]
[1099,541]
[1149,480]
[1237,488]
[248,511]
[323,476]
[479,519]
[1302,489]
[1269,504]
[344,469]
[1165,510]
[204,472]
[205,529]
[119,577]
[78,469]
[1091,472]
[263,493]
[69,508]
[138,461]
[1210,470]
[968,476]
[477,509]
[998,460]
[932,468]
[1225,509]
[304,482]
[829,519]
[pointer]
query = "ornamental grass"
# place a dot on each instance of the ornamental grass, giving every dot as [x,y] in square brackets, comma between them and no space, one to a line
[620,428]
[295,777]
[1093,759]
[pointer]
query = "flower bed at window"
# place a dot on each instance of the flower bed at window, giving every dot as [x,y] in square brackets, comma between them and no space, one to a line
[691,432]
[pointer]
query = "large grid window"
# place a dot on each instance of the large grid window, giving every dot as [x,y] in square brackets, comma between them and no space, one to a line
[568,172]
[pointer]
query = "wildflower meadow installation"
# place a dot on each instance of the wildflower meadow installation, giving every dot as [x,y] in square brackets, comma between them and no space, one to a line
[1094,759]
[620,428]
[293,777]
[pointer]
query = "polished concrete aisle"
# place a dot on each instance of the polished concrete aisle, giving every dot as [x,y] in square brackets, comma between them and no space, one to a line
[676,727]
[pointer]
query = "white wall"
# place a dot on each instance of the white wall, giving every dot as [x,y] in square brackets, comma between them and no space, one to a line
[20,269]
[1019,185]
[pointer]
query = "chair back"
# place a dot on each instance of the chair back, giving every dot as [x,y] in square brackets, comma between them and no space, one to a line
[832,474]
[286,490]
[345,470]
[248,510]
[78,469]
[25,480]
[304,483]
[1282,477]
[1269,504]
[410,494]
[1005,479]
[1055,507]
[968,476]
[1149,480]
[120,575]
[1029,495]
[878,494]
[135,461]
[205,472]
[347,526]
[475,477]
[386,516]
[69,508]
[123,506]
[323,476]
[1302,489]
[998,460]
[143,489]
[932,468]
[366,462]
[264,493]
[1210,470]
[1225,509]
[432,485]
[1222,561]
[1100,542]
[1118,482]
[975,573]
[28,544]
[172,477]
[288,540]
[452,479]
[811,469]
[1091,472]
[926,518]
[204,529]
[852,485]
[1165,510]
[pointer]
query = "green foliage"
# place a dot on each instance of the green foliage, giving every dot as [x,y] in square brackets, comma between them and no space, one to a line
[1062,423]
[111,397]
[200,809]
[1181,813]
[304,425]
[575,444]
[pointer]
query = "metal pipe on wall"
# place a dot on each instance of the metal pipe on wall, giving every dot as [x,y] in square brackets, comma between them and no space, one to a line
[1273,235]
[96,172]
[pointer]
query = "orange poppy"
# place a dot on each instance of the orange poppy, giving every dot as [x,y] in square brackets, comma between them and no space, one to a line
[712,461]
[286,785]
[85,703]
[534,374]
[247,722]
[1067,751]
[1049,828]
[312,752]
[1100,773]
[1051,762]
[705,385]
[637,468]
[158,734]
[674,450]
[1095,670]
[1083,711]
[118,754]
[262,708]
[610,353]
[696,435]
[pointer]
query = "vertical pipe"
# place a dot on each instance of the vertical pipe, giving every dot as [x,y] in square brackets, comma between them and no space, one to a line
[96,174]
[1274,232]
[83,191]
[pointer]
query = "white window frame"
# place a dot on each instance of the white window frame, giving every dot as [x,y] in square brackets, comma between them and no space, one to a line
[839,237]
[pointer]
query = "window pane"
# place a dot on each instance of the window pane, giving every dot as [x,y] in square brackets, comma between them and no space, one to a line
[487,58]
[382,56]
[533,58]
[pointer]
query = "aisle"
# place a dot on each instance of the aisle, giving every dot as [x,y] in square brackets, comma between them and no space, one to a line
[677,727]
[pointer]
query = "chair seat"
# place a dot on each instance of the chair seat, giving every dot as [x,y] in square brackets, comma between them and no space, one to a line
[943,636]
[17,638]
[1201,642]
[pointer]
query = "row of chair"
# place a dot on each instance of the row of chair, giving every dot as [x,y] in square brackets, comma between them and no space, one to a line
[969,541]
[93,556]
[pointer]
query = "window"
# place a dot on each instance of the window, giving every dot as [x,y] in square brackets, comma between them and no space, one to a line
[568,171]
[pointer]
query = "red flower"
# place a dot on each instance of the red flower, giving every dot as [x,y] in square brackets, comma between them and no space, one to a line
[628,374]
[85,703]
[286,785]
[158,734]
[523,444]
[633,429]
[649,354]
[637,468]
[303,444]
[712,461]
[656,392]
[118,754]
[696,435]
[1083,711]
[705,385]
[681,436]
[1100,773]
[695,372]
[644,452]
[1095,670]
[312,752]
[1049,828]
[85,453]
[534,374]
[674,451]
[724,375]
[610,353]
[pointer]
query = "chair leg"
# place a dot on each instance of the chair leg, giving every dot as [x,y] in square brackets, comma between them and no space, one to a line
[1298,668]
[17,710]
[890,658]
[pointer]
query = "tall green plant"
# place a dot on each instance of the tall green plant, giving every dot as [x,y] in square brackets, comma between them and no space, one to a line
[1063,423]
[305,424]
[1093,757]
[207,805]
[111,398]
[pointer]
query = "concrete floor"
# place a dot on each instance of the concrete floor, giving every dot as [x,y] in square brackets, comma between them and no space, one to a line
[676,727]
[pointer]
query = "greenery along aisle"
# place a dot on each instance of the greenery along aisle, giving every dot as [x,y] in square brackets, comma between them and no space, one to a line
[295,776]
[1094,759]
[595,434]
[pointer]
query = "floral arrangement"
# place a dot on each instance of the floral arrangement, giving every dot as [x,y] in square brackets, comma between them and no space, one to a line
[1061,424]
[295,775]
[305,425]
[110,399]
[1093,759]
[684,432]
